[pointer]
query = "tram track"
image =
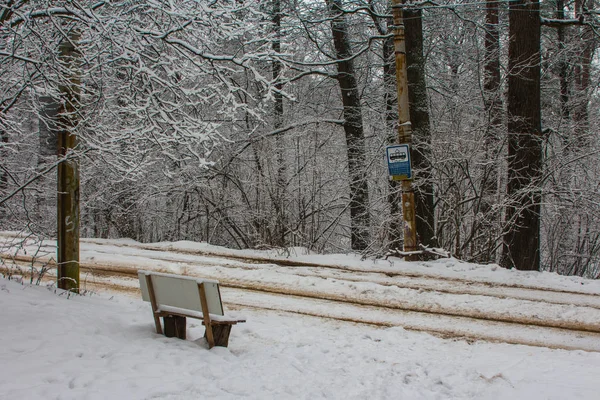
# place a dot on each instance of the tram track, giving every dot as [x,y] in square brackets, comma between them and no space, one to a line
[578,300]
[403,279]
[449,327]
[450,306]
[471,285]
[424,282]
[409,296]
[442,322]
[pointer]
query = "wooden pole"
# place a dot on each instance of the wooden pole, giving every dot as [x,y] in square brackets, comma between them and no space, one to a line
[404,129]
[68,169]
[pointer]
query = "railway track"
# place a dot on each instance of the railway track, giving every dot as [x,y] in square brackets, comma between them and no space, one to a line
[454,321]
[416,294]
[384,276]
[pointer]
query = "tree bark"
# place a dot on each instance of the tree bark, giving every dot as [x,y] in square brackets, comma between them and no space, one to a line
[4,15]
[522,236]
[486,246]
[563,65]
[353,128]
[582,73]
[419,118]
[3,174]
[276,68]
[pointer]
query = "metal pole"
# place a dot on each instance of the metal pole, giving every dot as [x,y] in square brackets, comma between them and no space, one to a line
[404,129]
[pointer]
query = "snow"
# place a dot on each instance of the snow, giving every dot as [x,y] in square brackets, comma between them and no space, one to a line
[99,347]
[103,345]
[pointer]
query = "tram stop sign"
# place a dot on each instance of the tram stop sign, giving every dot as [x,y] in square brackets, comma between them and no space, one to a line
[398,160]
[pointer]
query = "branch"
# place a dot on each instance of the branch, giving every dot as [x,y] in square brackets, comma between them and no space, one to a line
[302,123]
[276,132]
[55,11]
[41,174]
[557,23]
[371,39]
[20,58]
[424,250]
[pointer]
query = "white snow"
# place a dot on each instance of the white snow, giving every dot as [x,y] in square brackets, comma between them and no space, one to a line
[103,345]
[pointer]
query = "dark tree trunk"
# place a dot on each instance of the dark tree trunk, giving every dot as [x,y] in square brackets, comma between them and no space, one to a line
[486,246]
[394,196]
[279,195]
[419,118]
[582,73]
[522,235]
[563,67]
[5,13]
[353,128]
[492,62]
[3,174]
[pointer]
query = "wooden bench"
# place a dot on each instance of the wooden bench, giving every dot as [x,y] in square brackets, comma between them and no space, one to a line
[175,297]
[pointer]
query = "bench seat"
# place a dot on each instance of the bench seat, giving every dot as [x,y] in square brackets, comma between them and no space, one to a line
[176,297]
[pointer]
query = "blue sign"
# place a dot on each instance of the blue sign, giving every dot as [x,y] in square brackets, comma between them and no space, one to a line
[398,160]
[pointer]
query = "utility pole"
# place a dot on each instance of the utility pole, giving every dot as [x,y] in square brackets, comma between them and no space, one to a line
[404,130]
[68,168]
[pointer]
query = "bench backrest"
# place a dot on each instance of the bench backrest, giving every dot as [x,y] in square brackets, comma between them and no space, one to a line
[181,291]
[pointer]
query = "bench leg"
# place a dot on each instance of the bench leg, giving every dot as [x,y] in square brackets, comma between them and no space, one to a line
[208,334]
[221,334]
[175,326]
[154,304]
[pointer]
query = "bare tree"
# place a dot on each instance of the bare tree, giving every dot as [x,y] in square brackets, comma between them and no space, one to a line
[419,118]
[522,236]
[353,127]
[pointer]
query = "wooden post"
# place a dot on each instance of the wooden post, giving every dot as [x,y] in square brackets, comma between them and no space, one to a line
[221,334]
[175,326]
[68,168]
[404,130]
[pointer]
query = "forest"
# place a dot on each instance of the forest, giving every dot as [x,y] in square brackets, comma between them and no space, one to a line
[264,124]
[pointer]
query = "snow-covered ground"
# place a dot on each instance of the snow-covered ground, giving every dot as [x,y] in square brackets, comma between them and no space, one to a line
[103,345]
[99,347]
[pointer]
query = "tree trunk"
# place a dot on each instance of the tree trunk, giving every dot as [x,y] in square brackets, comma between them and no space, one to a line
[522,235]
[3,174]
[419,118]
[394,195]
[486,247]
[4,15]
[280,191]
[353,128]
[563,65]
[582,73]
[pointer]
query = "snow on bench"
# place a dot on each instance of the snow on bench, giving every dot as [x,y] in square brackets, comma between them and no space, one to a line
[175,297]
